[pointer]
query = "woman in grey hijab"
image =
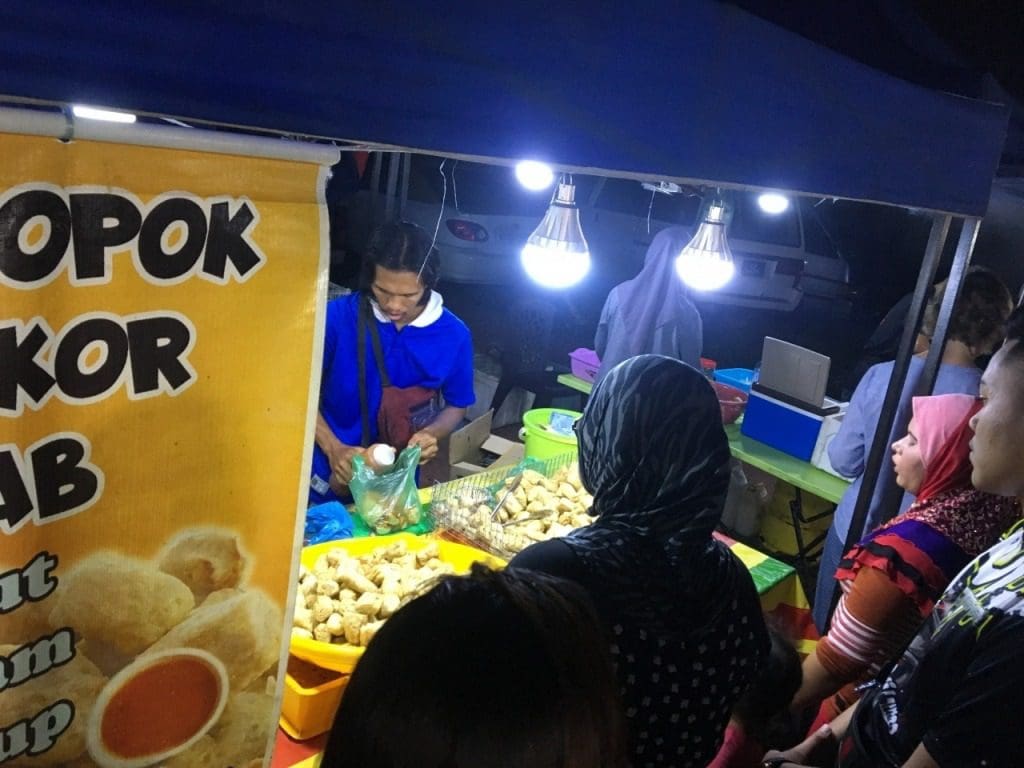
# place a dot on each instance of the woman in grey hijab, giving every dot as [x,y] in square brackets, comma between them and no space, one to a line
[682,615]
[651,314]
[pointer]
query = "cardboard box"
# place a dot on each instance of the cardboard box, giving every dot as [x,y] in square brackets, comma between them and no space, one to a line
[829,429]
[474,449]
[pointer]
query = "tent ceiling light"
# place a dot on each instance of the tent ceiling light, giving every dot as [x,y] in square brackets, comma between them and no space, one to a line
[705,263]
[109,115]
[556,255]
[534,175]
[773,203]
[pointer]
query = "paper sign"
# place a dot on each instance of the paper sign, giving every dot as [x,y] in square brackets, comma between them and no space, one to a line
[158,337]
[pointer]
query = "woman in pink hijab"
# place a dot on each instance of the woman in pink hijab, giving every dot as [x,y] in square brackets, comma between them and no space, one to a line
[893,576]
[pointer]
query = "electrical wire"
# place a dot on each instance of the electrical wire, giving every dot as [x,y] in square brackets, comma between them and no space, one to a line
[455,187]
[440,215]
[650,208]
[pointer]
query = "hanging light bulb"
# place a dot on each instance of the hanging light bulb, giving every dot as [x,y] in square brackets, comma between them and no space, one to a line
[705,264]
[556,254]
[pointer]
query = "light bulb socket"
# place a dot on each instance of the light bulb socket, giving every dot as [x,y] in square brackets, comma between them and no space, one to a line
[560,229]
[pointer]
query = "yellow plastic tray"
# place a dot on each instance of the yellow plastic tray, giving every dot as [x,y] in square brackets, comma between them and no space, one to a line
[342,657]
[310,699]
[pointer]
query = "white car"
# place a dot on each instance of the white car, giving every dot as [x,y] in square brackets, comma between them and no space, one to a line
[781,259]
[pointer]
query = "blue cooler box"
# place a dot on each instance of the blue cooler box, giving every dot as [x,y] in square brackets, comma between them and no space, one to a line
[782,423]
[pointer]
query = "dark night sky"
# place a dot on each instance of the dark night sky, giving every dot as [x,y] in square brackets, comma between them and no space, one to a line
[988,34]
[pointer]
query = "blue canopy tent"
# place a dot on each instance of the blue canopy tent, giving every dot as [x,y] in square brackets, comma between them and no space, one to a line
[696,91]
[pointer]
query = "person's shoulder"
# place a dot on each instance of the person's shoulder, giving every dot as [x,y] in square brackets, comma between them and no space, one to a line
[343,306]
[452,323]
[875,376]
[956,379]
[553,557]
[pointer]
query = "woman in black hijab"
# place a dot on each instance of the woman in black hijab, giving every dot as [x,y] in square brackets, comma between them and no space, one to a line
[682,614]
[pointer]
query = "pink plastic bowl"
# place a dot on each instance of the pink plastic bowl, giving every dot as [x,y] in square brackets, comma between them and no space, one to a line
[732,401]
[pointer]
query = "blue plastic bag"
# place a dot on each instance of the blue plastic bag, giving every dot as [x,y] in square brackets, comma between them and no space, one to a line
[328,522]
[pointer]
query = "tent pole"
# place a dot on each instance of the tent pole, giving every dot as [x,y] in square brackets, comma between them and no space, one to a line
[957,272]
[406,170]
[925,278]
[68,128]
[377,158]
[392,190]
[890,500]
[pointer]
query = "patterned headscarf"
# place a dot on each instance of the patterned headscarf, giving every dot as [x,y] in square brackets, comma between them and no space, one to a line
[656,459]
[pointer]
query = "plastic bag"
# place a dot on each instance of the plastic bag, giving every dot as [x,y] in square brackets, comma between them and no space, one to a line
[389,501]
[328,522]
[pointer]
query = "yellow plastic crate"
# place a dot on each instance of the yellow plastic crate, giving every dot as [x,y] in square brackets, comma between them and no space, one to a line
[342,657]
[311,697]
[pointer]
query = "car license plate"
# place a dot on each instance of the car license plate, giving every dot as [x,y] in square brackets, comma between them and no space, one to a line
[752,268]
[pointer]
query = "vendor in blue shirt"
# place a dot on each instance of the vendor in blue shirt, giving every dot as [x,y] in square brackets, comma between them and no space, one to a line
[426,357]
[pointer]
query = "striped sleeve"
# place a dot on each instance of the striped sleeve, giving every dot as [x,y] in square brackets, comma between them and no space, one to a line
[872,623]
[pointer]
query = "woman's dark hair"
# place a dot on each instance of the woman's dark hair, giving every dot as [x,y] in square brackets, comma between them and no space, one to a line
[401,247]
[980,312]
[506,669]
[774,688]
[1014,342]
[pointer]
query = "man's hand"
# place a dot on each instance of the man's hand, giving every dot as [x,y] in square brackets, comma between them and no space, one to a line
[819,747]
[427,443]
[341,457]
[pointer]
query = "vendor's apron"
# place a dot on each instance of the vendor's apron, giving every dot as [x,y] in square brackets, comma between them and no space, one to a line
[404,411]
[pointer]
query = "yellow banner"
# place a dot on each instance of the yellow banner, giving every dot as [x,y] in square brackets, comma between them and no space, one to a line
[159,316]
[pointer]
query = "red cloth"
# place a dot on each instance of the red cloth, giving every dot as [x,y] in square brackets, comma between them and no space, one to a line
[950,469]
[739,750]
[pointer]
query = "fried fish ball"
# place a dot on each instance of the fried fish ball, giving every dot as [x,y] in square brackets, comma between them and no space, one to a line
[27,622]
[322,608]
[243,632]
[242,732]
[308,584]
[220,595]
[532,477]
[428,552]
[303,618]
[336,556]
[369,604]
[333,624]
[557,531]
[393,586]
[327,586]
[390,603]
[205,559]
[354,580]
[513,506]
[352,623]
[537,494]
[79,681]
[567,491]
[367,632]
[121,601]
